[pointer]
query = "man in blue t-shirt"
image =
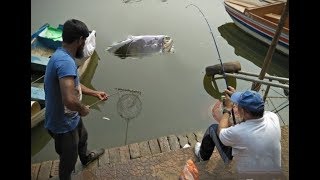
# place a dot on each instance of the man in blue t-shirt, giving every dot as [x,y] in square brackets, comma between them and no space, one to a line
[63,93]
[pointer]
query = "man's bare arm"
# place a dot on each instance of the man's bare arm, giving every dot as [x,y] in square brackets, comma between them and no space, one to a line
[99,94]
[69,96]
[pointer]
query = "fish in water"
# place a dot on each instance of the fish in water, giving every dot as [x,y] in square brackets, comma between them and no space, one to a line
[140,46]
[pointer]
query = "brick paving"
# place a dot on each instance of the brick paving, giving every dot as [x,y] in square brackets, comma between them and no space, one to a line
[162,158]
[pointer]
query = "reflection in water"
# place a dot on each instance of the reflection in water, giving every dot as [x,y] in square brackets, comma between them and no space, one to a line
[253,50]
[39,138]
[86,80]
[211,87]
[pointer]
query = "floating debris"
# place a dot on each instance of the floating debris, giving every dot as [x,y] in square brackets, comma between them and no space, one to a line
[105,118]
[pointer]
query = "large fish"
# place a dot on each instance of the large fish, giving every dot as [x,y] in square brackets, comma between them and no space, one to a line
[140,46]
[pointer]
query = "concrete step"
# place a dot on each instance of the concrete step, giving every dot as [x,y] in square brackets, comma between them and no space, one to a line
[162,158]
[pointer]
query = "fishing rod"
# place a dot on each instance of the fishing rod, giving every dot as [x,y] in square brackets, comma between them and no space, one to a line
[214,40]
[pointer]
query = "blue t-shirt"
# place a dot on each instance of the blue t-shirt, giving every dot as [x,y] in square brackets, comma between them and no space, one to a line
[58,118]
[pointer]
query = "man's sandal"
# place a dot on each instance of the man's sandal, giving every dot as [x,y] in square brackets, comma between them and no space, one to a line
[93,155]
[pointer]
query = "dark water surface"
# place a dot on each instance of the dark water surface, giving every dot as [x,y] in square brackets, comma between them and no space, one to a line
[173,95]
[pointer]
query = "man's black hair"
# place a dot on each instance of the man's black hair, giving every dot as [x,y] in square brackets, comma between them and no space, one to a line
[73,29]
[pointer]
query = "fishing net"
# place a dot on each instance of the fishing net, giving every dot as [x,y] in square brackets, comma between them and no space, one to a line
[129,106]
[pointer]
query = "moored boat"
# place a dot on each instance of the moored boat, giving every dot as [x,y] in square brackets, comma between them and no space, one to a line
[260,19]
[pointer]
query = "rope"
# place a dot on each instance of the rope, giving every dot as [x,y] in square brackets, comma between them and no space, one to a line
[37,79]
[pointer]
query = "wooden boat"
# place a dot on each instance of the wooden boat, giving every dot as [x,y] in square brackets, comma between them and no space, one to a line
[43,46]
[260,19]
[41,50]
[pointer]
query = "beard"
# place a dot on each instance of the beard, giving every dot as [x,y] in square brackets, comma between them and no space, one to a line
[79,53]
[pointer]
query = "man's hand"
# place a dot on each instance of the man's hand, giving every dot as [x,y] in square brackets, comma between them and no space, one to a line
[101,95]
[84,111]
[228,92]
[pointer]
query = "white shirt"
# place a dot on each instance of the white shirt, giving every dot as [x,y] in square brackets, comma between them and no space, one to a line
[255,143]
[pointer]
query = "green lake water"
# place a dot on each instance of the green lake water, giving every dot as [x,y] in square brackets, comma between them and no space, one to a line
[174,90]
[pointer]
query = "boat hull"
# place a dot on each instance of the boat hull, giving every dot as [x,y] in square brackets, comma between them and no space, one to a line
[258,30]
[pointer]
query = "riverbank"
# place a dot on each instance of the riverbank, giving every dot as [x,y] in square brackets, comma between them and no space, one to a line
[161,158]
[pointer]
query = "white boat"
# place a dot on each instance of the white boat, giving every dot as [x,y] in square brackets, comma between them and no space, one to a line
[260,19]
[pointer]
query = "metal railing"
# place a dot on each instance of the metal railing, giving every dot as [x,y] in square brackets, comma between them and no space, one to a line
[282,82]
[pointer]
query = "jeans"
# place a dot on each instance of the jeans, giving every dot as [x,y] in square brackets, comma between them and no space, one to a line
[210,140]
[69,145]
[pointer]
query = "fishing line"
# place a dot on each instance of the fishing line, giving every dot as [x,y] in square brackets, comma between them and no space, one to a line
[278,111]
[214,40]
[275,109]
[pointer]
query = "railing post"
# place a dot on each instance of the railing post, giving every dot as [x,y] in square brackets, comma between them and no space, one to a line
[267,61]
[266,93]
